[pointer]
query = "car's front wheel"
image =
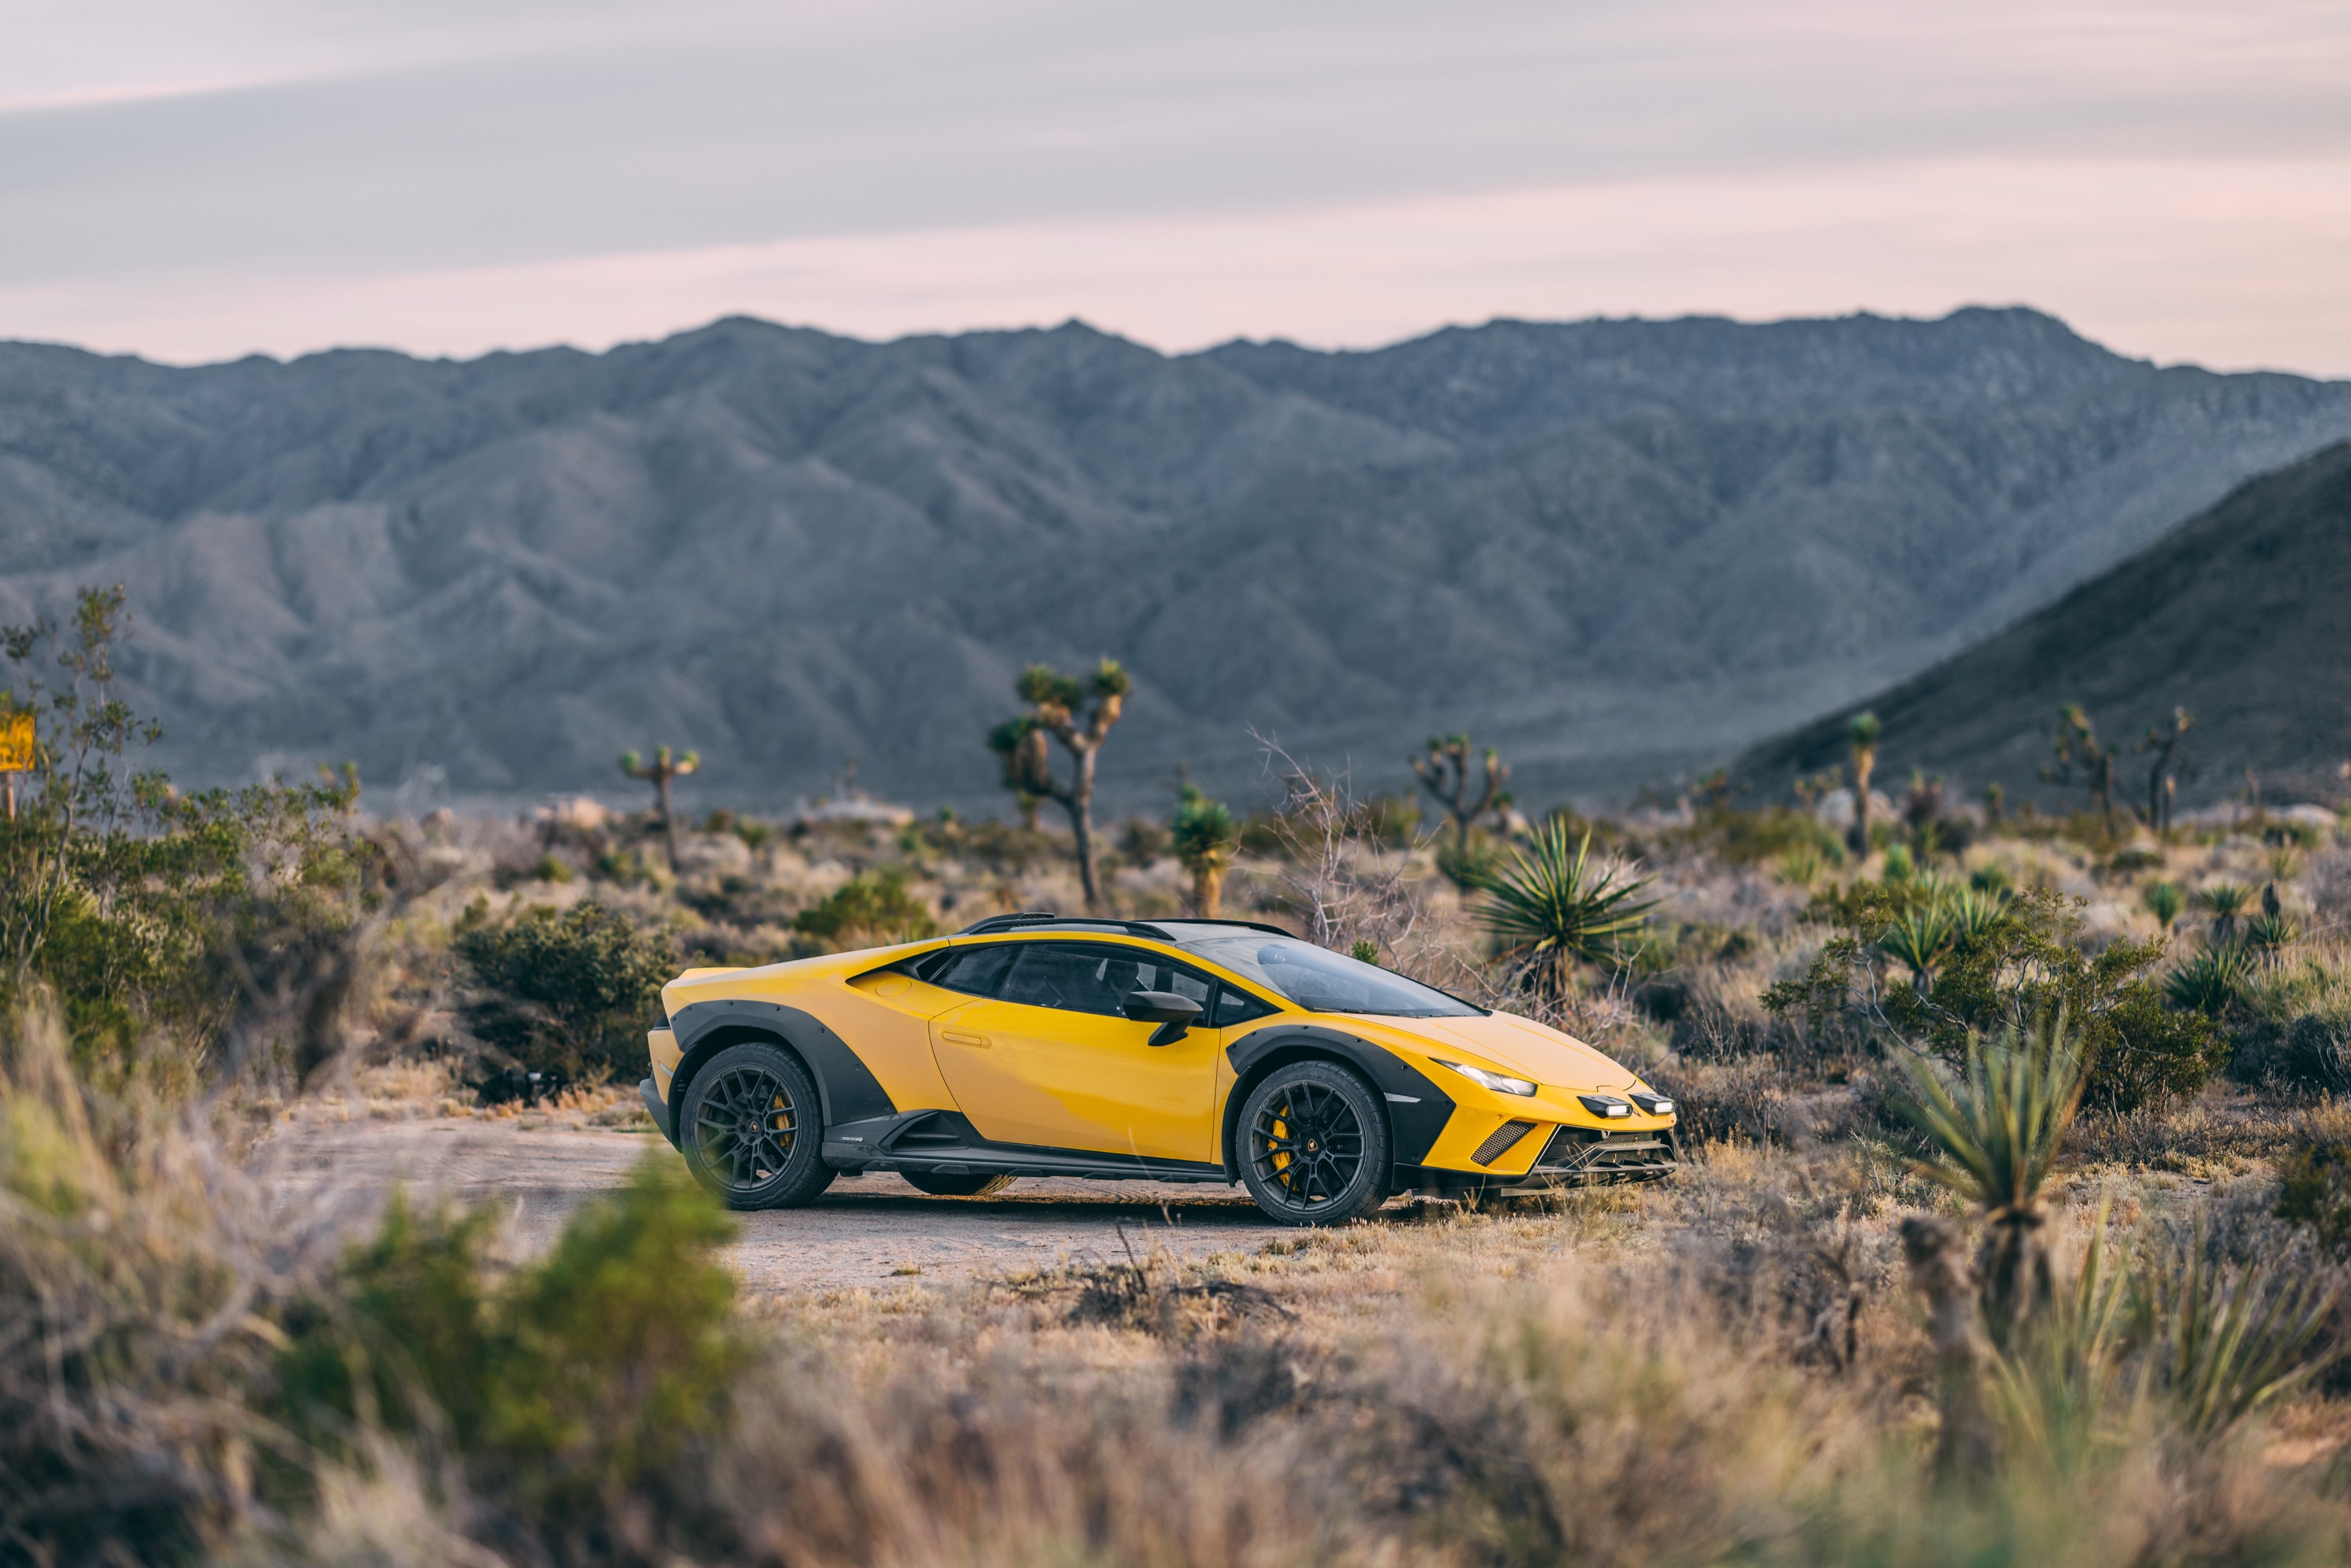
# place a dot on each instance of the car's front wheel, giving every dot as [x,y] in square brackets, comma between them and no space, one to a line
[752,1128]
[1314,1144]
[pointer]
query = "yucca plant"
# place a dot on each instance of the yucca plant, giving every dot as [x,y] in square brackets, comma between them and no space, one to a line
[2209,981]
[1920,938]
[2226,901]
[1999,1125]
[1553,908]
[2059,1378]
[2164,903]
[2267,932]
[2228,1341]
[1972,912]
[1802,866]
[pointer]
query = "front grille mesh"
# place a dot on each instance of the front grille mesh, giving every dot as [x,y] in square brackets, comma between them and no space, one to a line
[1505,1138]
[1594,1154]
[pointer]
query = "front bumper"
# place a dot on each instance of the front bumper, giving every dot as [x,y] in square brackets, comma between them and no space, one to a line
[654,1103]
[1566,1156]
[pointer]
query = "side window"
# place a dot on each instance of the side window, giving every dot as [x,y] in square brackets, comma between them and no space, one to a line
[1238,1007]
[978,970]
[1089,978]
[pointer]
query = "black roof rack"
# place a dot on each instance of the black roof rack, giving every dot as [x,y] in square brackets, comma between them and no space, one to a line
[1241,925]
[1027,919]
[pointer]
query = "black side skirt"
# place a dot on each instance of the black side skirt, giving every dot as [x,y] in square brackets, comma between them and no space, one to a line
[944,1142]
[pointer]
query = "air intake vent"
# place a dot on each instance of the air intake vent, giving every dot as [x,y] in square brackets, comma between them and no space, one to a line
[1506,1138]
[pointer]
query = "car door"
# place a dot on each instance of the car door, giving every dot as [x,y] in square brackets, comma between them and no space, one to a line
[1052,1061]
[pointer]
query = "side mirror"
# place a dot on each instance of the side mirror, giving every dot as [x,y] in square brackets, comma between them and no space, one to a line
[1174,1014]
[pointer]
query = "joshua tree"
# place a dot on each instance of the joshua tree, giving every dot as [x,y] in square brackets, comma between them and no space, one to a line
[2078,746]
[1862,733]
[2161,785]
[659,772]
[1553,908]
[1999,1127]
[1205,837]
[1054,700]
[1444,772]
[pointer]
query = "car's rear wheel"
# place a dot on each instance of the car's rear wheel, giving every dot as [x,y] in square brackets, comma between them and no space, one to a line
[752,1128]
[1314,1144]
[939,1184]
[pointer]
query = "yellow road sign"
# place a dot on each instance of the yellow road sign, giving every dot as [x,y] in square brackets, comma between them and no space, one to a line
[16,741]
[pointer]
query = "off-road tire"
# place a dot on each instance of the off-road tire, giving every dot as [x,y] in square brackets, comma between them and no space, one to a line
[752,1128]
[1314,1147]
[972,1184]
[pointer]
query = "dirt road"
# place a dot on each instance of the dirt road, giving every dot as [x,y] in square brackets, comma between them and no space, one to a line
[867,1230]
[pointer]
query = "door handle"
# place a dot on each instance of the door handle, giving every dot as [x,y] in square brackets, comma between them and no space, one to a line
[957,1037]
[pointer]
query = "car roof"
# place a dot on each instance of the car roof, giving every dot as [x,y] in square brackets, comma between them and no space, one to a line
[1029,920]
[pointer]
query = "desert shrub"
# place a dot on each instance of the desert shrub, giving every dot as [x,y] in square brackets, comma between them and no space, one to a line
[1009,849]
[131,1269]
[1142,842]
[2291,1022]
[1941,968]
[1749,1101]
[570,993]
[139,908]
[559,1390]
[870,909]
[1773,833]
[2314,1178]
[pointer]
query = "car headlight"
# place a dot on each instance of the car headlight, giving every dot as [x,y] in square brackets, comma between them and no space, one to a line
[1655,1103]
[1605,1105]
[1499,1082]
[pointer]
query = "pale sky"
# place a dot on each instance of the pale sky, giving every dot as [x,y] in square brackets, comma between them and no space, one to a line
[199,179]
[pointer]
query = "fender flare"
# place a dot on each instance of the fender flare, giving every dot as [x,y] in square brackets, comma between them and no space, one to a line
[1418,1109]
[846,1085]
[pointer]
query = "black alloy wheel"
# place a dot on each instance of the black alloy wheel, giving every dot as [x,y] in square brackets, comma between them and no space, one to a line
[752,1127]
[972,1184]
[1316,1144]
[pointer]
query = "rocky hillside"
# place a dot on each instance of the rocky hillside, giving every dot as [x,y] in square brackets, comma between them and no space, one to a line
[1617,548]
[2242,616]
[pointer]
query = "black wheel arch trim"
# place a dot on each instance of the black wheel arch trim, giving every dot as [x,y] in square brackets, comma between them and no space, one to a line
[1418,1109]
[846,1087]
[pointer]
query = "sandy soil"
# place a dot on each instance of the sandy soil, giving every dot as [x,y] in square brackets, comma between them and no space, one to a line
[867,1230]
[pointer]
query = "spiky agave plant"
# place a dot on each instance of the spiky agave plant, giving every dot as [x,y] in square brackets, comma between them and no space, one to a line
[2164,903]
[1553,908]
[2227,901]
[1999,1125]
[2229,1340]
[1972,912]
[1920,938]
[2209,981]
[2055,1383]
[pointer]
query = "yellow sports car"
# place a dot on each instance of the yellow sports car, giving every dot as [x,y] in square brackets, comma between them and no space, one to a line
[1209,1050]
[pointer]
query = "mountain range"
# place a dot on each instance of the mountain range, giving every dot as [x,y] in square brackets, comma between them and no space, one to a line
[2242,616]
[1616,548]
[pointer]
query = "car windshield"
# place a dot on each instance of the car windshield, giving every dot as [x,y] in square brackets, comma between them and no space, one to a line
[1323,981]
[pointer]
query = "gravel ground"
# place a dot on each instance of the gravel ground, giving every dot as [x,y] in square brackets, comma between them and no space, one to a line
[866,1230]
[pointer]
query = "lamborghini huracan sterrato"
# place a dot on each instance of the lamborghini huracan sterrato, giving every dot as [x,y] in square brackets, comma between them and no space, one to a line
[1206,1051]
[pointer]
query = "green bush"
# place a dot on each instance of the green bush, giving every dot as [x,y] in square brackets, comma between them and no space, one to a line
[2314,1178]
[871,909]
[573,993]
[1993,965]
[559,1389]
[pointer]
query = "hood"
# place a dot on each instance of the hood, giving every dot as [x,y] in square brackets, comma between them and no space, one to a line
[1527,1049]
